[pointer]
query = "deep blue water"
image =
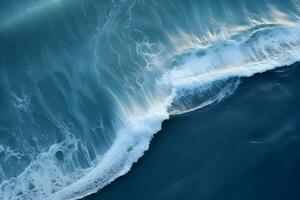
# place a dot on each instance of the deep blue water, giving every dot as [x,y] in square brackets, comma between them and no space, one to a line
[86,84]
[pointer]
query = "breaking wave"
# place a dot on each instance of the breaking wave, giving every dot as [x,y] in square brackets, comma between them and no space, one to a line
[83,94]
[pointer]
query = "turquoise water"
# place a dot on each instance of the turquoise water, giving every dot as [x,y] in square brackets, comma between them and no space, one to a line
[85,84]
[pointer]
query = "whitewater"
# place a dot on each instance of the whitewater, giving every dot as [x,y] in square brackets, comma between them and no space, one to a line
[85,85]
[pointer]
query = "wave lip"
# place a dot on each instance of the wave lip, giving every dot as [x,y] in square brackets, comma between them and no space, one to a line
[131,143]
[258,52]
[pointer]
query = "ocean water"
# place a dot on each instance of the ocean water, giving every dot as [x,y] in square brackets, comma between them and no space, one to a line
[86,84]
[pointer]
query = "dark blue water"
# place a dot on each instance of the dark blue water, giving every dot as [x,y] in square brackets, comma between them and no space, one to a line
[86,84]
[245,147]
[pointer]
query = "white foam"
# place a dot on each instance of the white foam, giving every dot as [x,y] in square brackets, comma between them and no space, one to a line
[131,143]
[257,52]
